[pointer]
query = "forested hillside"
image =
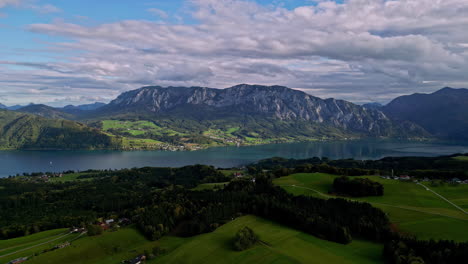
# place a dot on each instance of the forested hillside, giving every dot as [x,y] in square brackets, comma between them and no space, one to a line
[25,131]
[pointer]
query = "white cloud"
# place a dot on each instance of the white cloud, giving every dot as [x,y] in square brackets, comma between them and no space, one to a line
[31,4]
[4,3]
[45,9]
[158,12]
[360,50]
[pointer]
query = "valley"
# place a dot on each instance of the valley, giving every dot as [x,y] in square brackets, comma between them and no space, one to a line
[133,207]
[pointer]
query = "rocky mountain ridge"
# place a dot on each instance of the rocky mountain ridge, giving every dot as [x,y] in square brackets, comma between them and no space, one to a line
[277,102]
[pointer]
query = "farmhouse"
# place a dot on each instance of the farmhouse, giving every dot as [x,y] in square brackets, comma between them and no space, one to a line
[405,177]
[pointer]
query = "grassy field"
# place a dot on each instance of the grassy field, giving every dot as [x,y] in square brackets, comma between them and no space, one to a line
[70,177]
[110,247]
[461,158]
[25,240]
[140,143]
[283,245]
[136,128]
[34,244]
[413,209]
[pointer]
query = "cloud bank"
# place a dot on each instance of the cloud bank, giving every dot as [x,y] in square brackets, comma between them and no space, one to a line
[359,50]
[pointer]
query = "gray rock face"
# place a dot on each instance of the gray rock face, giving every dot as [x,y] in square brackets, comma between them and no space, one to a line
[270,101]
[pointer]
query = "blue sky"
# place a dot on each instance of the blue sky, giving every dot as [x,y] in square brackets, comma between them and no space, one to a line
[80,51]
[89,12]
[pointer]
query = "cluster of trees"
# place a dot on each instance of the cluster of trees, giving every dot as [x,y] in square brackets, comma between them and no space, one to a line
[159,202]
[194,212]
[188,176]
[357,187]
[27,207]
[245,238]
[444,167]
[403,250]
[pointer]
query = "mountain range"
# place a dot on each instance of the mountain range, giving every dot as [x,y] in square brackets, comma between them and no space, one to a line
[443,113]
[195,117]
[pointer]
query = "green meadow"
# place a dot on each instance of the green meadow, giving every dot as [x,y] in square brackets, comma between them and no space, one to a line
[28,246]
[136,128]
[461,158]
[280,244]
[412,208]
[110,247]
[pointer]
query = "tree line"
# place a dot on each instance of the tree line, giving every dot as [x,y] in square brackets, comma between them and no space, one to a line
[443,167]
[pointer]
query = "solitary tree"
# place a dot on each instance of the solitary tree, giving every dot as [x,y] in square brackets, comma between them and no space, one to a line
[245,238]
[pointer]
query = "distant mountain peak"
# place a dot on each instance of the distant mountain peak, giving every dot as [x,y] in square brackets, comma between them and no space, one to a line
[443,113]
[84,107]
[44,111]
[450,90]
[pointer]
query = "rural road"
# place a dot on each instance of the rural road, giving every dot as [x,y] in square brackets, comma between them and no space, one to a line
[445,199]
[389,205]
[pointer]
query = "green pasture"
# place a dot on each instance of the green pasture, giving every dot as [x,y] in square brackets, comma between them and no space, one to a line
[410,207]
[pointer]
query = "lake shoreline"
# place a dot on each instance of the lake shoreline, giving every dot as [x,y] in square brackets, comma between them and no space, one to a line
[13,162]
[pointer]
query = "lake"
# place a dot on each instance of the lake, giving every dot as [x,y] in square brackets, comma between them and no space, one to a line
[13,162]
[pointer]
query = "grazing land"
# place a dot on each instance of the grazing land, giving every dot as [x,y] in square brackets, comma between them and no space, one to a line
[35,244]
[192,214]
[135,128]
[279,244]
[410,207]
[461,158]
[110,247]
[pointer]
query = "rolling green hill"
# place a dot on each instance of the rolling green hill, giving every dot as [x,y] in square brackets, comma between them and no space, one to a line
[411,207]
[280,245]
[26,131]
[195,134]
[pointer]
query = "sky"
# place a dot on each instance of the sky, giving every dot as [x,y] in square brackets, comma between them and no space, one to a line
[63,52]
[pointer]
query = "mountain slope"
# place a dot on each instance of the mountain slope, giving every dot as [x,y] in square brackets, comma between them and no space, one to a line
[2,106]
[443,113]
[25,131]
[84,107]
[274,103]
[45,111]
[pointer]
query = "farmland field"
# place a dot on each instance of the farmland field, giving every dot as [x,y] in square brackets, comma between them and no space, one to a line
[135,128]
[33,244]
[408,205]
[282,245]
[461,158]
[110,247]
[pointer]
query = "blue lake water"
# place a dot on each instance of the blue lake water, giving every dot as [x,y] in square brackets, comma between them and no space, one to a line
[13,162]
